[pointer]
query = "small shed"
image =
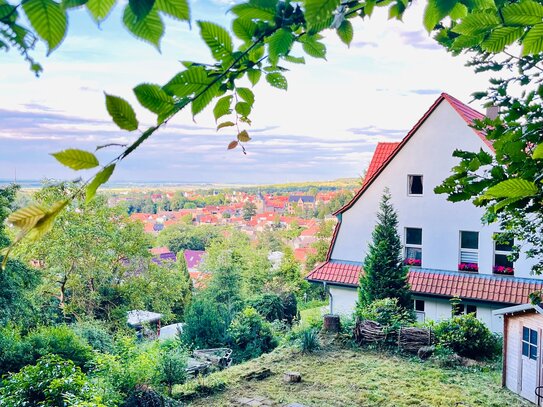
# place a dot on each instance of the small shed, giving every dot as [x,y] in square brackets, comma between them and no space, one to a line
[522,359]
[138,319]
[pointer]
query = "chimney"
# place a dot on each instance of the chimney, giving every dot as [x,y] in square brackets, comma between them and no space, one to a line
[492,112]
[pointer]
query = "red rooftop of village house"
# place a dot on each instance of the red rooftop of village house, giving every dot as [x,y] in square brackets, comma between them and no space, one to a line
[381,154]
[193,257]
[482,287]
[159,250]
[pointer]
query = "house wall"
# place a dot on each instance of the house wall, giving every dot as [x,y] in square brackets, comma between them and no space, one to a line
[513,343]
[427,153]
[343,301]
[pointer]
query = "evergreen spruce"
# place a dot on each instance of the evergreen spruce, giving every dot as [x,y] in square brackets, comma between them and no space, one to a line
[384,275]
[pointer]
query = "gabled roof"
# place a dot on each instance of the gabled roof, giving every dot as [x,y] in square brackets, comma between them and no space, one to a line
[380,156]
[466,113]
[441,283]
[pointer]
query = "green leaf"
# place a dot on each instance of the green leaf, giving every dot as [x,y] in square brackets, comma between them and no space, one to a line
[294,60]
[153,97]
[217,39]
[100,9]
[243,108]
[477,23]
[45,224]
[244,29]
[26,218]
[312,47]
[503,203]
[178,9]
[67,4]
[188,82]
[246,94]
[48,19]
[538,152]
[243,136]
[345,32]
[225,124]
[256,10]
[141,8]
[101,178]
[279,44]
[150,28]
[121,112]
[466,41]
[512,188]
[277,80]
[199,103]
[222,107]
[458,12]
[254,76]
[435,11]
[319,14]
[77,159]
[524,13]
[533,41]
[500,38]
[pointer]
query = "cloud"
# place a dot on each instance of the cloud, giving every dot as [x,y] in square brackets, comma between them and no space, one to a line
[419,39]
[372,132]
[363,44]
[425,91]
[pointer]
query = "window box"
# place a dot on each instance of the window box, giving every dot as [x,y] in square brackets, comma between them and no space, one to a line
[412,262]
[508,271]
[468,267]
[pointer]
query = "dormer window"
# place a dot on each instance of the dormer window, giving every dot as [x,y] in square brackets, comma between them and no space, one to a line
[414,185]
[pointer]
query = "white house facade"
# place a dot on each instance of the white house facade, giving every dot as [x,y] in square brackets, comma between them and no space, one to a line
[449,251]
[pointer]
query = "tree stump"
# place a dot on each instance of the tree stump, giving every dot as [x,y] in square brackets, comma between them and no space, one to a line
[331,324]
[292,377]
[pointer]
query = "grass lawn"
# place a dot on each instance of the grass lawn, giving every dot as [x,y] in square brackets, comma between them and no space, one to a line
[353,377]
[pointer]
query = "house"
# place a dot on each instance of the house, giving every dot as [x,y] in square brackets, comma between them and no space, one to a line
[449,251]
[305,202]
[522,360]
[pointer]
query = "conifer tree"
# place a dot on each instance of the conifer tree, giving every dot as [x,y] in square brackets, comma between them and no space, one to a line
[384,274]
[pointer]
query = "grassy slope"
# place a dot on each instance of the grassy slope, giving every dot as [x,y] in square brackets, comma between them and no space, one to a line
[340,377]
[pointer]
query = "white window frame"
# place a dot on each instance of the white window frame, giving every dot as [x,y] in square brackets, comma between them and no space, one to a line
[501,252]
[467,250]
[409,177]
[420,315]
[411,245]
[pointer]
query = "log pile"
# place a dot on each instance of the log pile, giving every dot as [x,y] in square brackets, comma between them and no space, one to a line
[409,339]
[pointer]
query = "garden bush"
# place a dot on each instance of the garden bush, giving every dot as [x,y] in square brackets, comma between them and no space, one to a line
[308,340]
[273,307]
[15,352]
[251,335]
[59,340]
[205,324]
[467,336]
[96,334]
[386,312]
[53,382]
[171,368]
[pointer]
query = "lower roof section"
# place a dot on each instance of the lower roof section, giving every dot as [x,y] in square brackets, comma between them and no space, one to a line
[442,283]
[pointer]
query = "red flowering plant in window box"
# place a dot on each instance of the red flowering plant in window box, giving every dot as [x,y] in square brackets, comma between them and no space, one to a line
[508,271]
[412,262]
[468,267]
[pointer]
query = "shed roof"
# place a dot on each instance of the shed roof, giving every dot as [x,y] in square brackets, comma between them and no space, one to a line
[138,317]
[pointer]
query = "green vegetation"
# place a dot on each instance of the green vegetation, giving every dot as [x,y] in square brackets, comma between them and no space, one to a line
[345,377]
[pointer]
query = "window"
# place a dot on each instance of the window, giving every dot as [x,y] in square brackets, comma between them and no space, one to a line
[529,343]
[414,184]
[418,305]
[469,251]
[413,247]
[459,309]
[502,264]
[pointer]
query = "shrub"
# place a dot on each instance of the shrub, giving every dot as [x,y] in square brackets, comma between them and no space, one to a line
[51,382]
[386,312]
[60,340]
[290,307]
[172,368]
[205,324]
[250,335]
[15,352]
[309,340]
[269,305]
[96,335]
[467,336]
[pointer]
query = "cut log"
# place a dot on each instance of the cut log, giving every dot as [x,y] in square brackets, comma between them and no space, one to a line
[331,323]
[257,374]
[292,377]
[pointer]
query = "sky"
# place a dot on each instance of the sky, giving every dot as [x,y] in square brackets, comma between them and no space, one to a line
[324,127]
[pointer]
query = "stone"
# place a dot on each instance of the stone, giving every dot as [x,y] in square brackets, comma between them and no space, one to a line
[292,377]
[425,352]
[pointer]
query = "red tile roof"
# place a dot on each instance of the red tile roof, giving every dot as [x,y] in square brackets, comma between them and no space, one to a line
[482,287]
[380,156]
[466,112]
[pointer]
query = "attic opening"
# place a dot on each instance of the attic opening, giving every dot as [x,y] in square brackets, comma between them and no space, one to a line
[414,184]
